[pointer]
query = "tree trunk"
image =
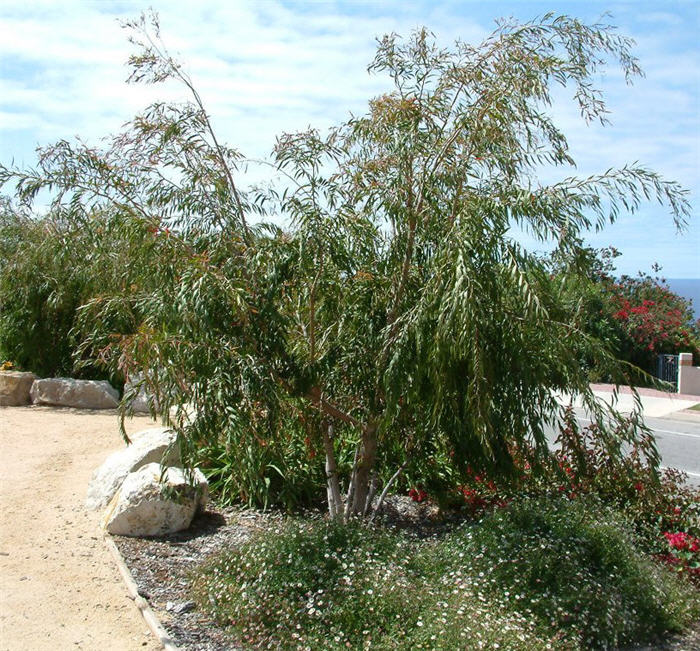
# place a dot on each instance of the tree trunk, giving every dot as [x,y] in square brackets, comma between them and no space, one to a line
[372,493]
[335,502]
[363,470]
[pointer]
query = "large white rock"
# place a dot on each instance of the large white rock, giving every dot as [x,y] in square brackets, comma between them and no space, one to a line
[145,506]
[147,446]
[183,414]
[139,404]
[67,392]
[15,387]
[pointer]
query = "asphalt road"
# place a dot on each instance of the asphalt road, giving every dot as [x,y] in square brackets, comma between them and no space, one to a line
[678,441]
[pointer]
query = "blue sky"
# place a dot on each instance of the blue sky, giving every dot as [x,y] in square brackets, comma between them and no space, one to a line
[267,67]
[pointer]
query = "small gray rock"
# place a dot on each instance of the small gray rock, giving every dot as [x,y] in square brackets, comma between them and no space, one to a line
[15,387]
[184,607]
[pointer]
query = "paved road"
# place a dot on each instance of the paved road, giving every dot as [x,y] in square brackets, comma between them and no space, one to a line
[678,441]
[677,429]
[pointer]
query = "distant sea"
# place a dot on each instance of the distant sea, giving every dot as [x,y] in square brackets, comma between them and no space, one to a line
[687,288]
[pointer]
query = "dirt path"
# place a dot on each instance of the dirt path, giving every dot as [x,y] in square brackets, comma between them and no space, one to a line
[59,587]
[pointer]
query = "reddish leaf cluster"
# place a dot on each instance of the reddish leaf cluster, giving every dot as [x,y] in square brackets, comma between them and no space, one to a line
[418,494]
[682,541]
[657,326]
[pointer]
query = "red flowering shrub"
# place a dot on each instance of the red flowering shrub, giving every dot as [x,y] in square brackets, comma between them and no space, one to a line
[637,317]
[650,318]
[663,508]
[681,541]
[417,494]
[683,553]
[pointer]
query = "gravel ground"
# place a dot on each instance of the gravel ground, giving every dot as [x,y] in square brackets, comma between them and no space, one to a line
[161,568]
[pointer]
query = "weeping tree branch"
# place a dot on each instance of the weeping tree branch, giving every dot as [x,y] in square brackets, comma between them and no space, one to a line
[385,492]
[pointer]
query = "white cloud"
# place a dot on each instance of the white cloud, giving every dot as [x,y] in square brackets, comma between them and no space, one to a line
[268,67]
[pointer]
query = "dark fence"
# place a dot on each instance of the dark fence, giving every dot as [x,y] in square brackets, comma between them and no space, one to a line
[667,368]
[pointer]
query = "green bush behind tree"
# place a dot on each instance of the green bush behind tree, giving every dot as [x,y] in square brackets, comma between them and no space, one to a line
[45,276]
[638,317]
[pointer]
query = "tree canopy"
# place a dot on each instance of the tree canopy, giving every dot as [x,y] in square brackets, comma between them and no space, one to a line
[394,315]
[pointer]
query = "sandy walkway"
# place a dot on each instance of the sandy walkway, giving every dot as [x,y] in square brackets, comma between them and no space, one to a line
[59,587]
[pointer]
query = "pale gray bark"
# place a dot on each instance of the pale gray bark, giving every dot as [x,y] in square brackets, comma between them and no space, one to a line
[394,477]
[335,503]
[351,486]
[371,494]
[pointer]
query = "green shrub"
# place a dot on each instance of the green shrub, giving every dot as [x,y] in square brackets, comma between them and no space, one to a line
[42,284]
[49,269]
[536,575]
[574,566]
[285,472]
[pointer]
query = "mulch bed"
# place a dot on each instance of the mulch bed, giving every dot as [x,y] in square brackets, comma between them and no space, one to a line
[161,567]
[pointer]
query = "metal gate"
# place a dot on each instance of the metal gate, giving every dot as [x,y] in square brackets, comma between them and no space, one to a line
[667,368]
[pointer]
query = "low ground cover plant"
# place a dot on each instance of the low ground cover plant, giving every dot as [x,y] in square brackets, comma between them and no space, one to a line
[662,508]
[576,567]
[538,574]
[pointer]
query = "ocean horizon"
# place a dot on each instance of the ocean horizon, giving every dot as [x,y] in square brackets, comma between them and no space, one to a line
[687,288]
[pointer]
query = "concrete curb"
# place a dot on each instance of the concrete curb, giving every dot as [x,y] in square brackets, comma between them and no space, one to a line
[687,415]
[645,391]
[156,627]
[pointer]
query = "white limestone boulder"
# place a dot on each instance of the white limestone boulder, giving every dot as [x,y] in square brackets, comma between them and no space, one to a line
[145,506]
[67,392]
[15,387]
[140,403]
[183,414]
[147,446]
[135,391]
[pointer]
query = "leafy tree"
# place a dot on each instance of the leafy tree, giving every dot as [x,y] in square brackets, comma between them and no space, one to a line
[394,318]
[638,317]
[585,294]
